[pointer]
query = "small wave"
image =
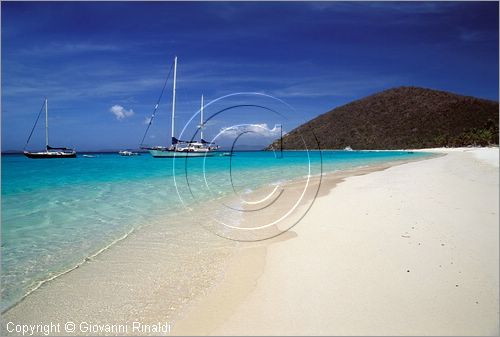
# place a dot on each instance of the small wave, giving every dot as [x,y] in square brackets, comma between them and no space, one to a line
[82,262]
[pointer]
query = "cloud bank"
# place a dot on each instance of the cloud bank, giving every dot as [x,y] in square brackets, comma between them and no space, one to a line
[261,130]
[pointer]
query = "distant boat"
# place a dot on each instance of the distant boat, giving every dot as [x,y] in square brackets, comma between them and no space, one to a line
[128,153]
[347,148]
[181,148]
[50,152]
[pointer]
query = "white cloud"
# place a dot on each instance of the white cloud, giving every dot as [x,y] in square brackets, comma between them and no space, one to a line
[261,130]
[120,112]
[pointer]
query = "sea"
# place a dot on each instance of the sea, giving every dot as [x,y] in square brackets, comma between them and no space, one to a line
[57,212]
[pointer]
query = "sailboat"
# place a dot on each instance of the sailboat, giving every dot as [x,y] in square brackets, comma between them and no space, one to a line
[50,152]
[181,148]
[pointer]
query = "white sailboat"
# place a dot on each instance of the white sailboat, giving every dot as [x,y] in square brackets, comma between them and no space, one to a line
[180,148]
[198,148]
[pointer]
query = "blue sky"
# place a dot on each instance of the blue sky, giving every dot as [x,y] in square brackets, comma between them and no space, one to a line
[88,57]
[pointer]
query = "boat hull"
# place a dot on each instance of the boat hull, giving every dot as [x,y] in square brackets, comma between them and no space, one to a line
[179,154]
[49,155]
[128,154]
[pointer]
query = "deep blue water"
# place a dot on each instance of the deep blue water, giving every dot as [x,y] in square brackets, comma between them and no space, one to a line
[57,212]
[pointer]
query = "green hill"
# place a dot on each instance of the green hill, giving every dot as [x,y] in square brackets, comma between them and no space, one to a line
[401,118]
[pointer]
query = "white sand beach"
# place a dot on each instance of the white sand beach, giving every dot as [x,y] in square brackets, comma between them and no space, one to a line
[410,250]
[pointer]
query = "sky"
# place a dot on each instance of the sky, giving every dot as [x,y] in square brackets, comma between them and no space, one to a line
[102,65]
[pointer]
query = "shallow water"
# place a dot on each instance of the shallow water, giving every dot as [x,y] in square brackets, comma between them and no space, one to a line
[57,212]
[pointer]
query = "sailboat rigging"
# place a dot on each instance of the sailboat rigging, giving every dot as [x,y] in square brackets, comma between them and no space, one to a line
[179,148]
[50,152]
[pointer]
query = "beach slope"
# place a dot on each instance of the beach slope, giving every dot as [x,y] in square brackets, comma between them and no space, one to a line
[410,250]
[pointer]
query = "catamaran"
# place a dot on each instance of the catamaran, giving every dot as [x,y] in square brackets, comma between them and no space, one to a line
[50,152]
[181,148]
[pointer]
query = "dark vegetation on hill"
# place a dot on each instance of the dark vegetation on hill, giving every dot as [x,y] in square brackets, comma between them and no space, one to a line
[401,118]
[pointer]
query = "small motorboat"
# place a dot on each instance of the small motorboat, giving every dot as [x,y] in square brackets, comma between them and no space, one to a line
[127,153]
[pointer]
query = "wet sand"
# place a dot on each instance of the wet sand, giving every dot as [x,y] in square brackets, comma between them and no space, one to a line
[410,250]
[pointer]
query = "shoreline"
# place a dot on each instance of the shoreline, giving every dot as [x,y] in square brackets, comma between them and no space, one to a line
[43,288]
[70,269]
[248,263]
[252,299]
[89,257]
[228,279]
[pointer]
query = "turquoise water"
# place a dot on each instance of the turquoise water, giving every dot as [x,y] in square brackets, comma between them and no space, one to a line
[57,212]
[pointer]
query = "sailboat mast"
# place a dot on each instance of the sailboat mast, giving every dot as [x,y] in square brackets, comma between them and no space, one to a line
[173,96]
[201,119]
[46,125]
